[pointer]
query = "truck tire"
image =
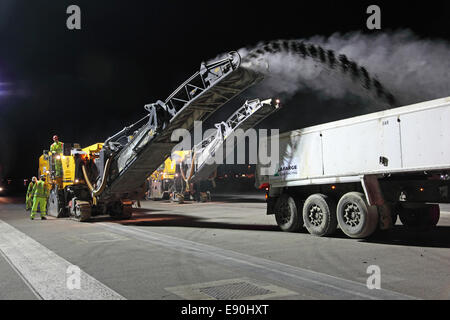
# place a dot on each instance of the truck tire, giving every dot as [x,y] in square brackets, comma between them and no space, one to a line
[434,214]
[319,215]
[356,219]
[287,215]
[394,216]
[419,215]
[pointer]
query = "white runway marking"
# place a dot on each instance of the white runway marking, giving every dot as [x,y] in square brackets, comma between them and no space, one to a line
[45,272]
[298,277]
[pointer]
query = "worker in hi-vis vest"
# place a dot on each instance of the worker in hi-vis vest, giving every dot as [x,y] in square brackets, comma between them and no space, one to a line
[57,149]
[40,195]
[29,197]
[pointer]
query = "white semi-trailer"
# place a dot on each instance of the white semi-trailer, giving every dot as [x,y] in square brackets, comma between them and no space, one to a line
[361,173]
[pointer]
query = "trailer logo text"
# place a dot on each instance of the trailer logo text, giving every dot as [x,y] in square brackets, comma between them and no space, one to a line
[286,170]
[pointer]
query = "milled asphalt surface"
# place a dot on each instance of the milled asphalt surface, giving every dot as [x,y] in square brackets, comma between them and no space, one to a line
[167,245]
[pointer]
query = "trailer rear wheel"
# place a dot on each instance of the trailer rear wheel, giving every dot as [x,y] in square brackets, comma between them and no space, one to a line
[319,215]
[287,215]
[394,217]
[419,215]
[434,214]
[356,219]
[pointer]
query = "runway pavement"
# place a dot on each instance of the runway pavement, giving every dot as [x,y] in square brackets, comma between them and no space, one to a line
[226,249]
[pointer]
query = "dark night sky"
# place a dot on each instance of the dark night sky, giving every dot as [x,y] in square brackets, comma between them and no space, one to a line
[86,85]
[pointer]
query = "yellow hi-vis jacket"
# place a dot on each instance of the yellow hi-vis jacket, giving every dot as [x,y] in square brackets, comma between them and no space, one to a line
[40,190]
[30,188]
[57,147]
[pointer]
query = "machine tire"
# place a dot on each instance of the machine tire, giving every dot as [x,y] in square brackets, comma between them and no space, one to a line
[319,215]
[82,211]
[127,211]
[121,210]
[419,215]
[356,219]
[54,206]
[287,215]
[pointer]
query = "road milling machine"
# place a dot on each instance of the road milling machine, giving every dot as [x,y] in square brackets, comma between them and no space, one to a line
[183,168]
[106,177]
[163,181]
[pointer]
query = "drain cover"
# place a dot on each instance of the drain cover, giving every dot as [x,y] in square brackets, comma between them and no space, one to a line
[231,289]
[234,291]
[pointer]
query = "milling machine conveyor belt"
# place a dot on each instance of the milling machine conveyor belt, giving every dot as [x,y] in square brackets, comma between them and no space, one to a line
[246,117]
[196,99]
